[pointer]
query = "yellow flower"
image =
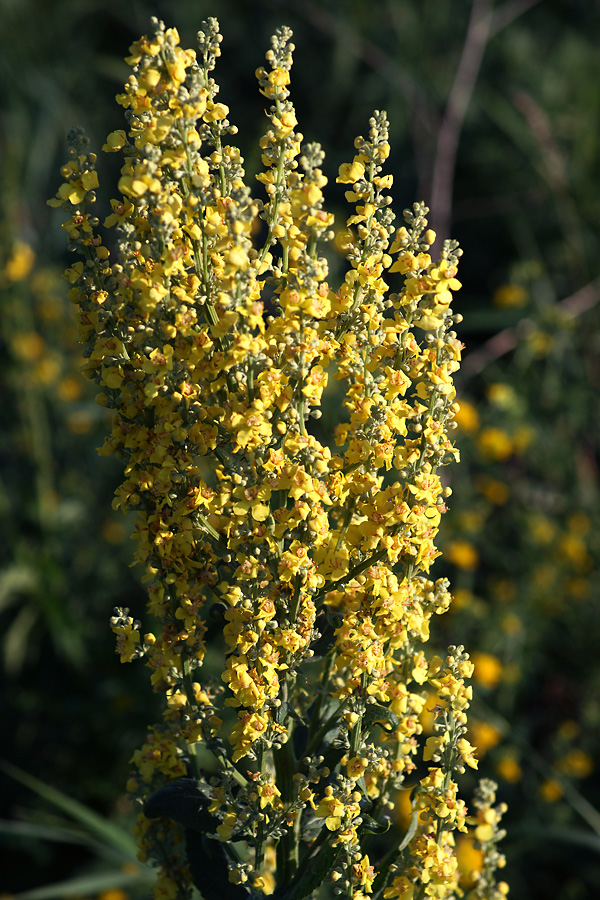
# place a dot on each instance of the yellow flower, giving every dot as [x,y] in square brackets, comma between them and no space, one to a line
[114,141]
[400,889]
[269,795]
[225,830]
[356,766]
[542,529]
[350,173]
[364,873]
[331,809]
[467,753]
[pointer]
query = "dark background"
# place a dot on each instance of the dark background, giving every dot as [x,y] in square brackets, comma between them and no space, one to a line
[497,129]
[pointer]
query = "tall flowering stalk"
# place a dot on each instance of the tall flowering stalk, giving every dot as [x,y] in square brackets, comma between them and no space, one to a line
[302,567]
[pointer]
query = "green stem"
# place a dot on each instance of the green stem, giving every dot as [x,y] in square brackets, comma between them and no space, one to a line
[316,716]
[275,209]
[332,585]
[285,769]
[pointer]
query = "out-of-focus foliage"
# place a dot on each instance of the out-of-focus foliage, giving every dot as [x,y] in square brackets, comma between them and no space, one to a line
[521,535]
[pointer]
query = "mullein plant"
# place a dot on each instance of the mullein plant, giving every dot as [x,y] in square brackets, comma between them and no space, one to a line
[302,567]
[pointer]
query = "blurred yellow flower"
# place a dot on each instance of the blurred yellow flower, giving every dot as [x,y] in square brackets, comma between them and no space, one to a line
[542,529]
[545,576]
[469,860]
[493,490]
[501,394]
[484,736]
[509,768]
[495,444]
[522,438]
[48,369]
[463,554]
[471,520]
[573,549]
[427,715]
[467,417]
[551,790]
[113,532]
[568,729]
[580,588]
[462,598]
[576,763]
[540,343]
[131,868]
[510,295]
[579,523]
[512,624]
[488,669]
[20,262]
[80,421]
[504,590]
[512,673]
[70,389]
[28,346]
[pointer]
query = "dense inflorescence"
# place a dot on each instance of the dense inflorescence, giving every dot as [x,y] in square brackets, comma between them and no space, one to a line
[212,331]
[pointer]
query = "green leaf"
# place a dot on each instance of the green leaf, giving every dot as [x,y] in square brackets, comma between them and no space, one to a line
[208,864]
[327,623]
[113,835]
[372,826]
[183,801]
[410,831]
[311,874]
[380,715]
[384,865]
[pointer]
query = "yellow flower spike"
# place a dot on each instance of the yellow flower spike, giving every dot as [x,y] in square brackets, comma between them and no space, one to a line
[300,571]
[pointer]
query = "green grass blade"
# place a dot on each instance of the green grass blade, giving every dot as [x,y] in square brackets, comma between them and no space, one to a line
[111,834]
[88,884]
[44,832]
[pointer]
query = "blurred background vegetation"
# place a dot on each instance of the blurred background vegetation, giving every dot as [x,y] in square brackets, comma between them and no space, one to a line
[494,109]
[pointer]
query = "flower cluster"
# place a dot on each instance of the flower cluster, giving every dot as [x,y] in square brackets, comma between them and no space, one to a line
[212,334]
[487,835]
